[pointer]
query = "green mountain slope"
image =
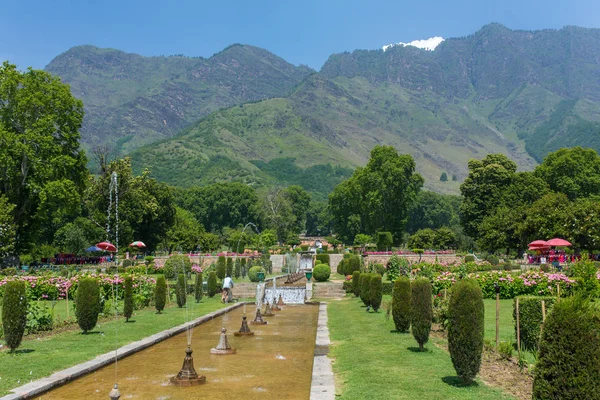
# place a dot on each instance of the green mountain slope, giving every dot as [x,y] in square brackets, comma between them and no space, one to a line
[132,100]
[515,92]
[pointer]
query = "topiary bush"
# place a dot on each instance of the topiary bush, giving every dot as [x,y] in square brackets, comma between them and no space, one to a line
[322,272]
[243,267]
[324,258]
[128,298]
[401,298]
[469,258]
[465,328]
[253,273]
[160,293]
[376,292]
[229,267]
[198,287]
[492,259]
[221,267]
[180,291]
[353,264]
[177,264]
[365,288]
[87,301]
[421,310]
[356,283]
[14,313]
[211,284]
[530,319]
[568,364]
[384,240]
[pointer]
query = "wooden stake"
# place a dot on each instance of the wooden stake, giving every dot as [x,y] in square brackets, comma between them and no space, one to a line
[445,293]
[497,320]
[558,291]
[67,304]
[518,330]
[543,317]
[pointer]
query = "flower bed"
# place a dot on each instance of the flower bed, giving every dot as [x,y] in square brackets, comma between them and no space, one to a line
[535,283]
[52,287]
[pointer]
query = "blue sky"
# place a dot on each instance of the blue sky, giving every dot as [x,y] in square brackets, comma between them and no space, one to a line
[302,31]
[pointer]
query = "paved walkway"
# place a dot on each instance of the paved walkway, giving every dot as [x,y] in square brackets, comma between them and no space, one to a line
[323,384]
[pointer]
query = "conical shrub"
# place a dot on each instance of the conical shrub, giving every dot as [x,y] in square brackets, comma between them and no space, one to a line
[128,298]
[14,313]
[87,303]
[211,283]
[421,310]
[160,293]
[466,328]
[221,267]
[365,288]
[198,287]
[376,292]
[356,283]
[568,364]
[401,298]
[180,291]
[237,269]
[229,266]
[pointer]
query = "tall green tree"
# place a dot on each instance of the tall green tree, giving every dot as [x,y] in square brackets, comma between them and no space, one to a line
[185,233]
[433,210]
[277,213]
[146,207]
[42,168]
[376,197]
[300,203]
[7,227]
[573,171]
[483,189]
[318,219]
[221,204]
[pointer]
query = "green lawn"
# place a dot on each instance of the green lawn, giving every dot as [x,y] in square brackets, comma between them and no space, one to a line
[372,362]
[40,357]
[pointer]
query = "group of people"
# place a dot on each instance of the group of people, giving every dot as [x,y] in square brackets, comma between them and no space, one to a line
[551,256]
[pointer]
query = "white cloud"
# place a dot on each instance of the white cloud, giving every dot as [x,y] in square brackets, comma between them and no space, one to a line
[427,44]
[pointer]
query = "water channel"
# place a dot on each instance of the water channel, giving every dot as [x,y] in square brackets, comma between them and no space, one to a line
[275,363]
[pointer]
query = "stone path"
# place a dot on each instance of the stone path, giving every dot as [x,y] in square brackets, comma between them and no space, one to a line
[323,384]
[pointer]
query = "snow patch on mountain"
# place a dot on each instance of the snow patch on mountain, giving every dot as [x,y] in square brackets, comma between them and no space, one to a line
[427,44]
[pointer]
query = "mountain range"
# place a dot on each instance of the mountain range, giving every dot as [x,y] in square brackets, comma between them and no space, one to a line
[247,115]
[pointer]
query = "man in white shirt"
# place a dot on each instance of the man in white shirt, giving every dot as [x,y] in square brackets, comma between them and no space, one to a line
[227,295]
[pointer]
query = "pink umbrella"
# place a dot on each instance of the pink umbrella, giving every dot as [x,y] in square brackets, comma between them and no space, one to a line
[106,246]
[539,243]
[137,243]
[558,242]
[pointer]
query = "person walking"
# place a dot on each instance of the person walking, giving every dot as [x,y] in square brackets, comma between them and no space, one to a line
[226,294]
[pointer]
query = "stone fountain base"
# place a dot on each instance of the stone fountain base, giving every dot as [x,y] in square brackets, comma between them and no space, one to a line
[188,376]
[258,319]
[223,348]
[244,330]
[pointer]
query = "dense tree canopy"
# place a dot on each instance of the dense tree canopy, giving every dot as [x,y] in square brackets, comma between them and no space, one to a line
[221,204]
[42,168]
[433,210]
[376,197]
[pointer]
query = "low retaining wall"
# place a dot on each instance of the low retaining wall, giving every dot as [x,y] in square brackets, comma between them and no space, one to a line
[40,386]
[322,385]
[414,258]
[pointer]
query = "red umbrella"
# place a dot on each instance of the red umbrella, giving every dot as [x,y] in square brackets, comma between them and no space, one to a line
[539,243]
[106,246]
[558,242]
[137,243]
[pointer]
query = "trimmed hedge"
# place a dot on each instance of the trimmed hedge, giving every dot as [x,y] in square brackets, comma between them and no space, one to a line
[87,300]
[375,293]
[355,283]
[221,267]
[14,313]
[160,293]
[568,364]
[347,286]
[322,272]
[387,288]
[198,287]
[384,240]
[180,291]
[469,258]
[401,299]
[421,310]
[237,269]
[128,298]
[211,284]
[324,258]
[466,328]
[243,267]
[530,319]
